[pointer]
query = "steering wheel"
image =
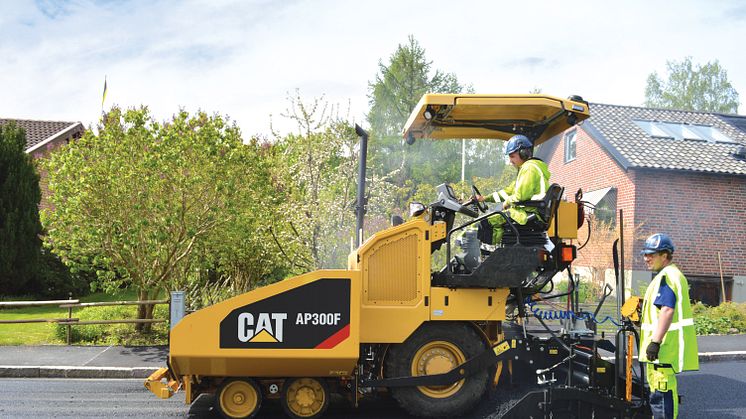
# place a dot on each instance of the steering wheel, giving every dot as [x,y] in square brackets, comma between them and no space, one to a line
[481,205]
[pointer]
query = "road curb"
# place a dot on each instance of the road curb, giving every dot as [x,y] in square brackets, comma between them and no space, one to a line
[10,371]
[722,356]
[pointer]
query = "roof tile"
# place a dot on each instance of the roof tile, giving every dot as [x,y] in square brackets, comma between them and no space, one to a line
[615,124]
[38,131]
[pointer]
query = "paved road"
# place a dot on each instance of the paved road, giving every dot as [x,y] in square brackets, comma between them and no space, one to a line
[102,398]
[717,390]
[714,392]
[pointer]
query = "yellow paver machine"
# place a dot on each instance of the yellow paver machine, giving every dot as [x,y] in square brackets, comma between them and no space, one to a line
[436,340]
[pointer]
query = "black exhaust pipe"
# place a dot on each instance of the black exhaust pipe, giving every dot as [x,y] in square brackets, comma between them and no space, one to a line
[360,206]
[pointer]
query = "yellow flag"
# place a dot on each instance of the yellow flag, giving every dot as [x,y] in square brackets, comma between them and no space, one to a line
[103,99]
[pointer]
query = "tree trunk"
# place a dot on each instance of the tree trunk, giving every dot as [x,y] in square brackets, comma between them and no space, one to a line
[144,311]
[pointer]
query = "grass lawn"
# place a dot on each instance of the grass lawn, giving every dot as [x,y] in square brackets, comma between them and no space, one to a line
[43,333]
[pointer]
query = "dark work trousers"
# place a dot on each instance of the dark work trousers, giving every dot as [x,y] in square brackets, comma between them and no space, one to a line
[661,403]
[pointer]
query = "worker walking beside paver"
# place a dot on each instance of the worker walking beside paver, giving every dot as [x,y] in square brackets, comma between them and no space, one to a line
[668,342]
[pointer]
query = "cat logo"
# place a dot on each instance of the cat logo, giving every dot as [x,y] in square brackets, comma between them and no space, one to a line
[268,327]
[314,315]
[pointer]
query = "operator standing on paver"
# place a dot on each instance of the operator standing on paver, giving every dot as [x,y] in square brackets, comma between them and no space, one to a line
[668,342]
[531,183]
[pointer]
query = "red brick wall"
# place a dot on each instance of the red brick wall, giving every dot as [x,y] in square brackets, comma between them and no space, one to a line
[703,214]
[591,170]
[42,153]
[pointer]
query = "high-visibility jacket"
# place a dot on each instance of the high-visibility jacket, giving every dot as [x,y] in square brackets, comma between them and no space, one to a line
[531,183]
[679,345]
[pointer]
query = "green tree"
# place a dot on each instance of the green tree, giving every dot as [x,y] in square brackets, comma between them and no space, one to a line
[692,87]
[397,168]
[19,214]
[395,91]
[316,172]
[142,201]
[241,255]
[399,85]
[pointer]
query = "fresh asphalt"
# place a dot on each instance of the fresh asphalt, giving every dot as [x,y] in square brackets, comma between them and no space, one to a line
[714,392]
[50,361]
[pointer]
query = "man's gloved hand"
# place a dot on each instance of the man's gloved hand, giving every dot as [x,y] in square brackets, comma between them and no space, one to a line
[652,351]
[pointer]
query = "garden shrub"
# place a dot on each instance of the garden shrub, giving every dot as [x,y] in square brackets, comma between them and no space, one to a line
[56,281]
[114,334]
[588,292]
[727,318]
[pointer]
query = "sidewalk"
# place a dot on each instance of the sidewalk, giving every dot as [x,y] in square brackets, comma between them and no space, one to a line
[141,361]
[81,361]
[721,348]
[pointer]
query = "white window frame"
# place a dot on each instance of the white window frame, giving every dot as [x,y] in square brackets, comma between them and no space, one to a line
[571,139]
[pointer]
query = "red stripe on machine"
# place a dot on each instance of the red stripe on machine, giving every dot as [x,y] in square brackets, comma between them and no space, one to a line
[335,339]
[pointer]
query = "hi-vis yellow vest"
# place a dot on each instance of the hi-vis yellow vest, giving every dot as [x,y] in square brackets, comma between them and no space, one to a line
[679,345]
[531,183]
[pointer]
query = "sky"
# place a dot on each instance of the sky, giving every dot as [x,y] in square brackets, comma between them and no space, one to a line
[242,59]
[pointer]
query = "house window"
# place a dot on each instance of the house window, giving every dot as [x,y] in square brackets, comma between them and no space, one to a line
[570,146]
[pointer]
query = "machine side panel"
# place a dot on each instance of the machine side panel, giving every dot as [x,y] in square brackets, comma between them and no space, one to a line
[390,324]
[567,221]
[395,270]
[303,326]
[301,318]
[468,303]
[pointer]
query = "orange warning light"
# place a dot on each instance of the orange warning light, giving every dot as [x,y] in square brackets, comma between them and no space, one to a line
[568,254]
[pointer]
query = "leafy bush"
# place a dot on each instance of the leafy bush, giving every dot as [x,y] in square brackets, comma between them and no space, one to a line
[588,292]
[114,334]
[727,318]
[56,281]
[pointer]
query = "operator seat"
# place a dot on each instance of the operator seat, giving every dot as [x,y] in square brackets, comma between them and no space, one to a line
[533,232]
[508,266]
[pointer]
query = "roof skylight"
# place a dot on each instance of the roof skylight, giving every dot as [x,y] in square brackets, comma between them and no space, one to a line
[680,131]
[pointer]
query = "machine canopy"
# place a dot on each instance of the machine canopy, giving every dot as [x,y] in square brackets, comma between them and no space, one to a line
[456,116]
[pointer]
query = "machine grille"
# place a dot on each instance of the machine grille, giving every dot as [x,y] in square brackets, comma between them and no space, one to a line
[391,271]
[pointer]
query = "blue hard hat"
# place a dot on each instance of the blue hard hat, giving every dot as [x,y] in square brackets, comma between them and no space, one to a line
[658,242]
[517,142]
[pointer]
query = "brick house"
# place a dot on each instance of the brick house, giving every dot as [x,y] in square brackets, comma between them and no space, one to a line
[678,172]
[42,137]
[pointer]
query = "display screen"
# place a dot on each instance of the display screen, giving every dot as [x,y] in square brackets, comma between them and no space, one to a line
[451,194]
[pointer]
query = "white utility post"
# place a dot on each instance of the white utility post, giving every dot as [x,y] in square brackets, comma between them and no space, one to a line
[463,158]
[177,307]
